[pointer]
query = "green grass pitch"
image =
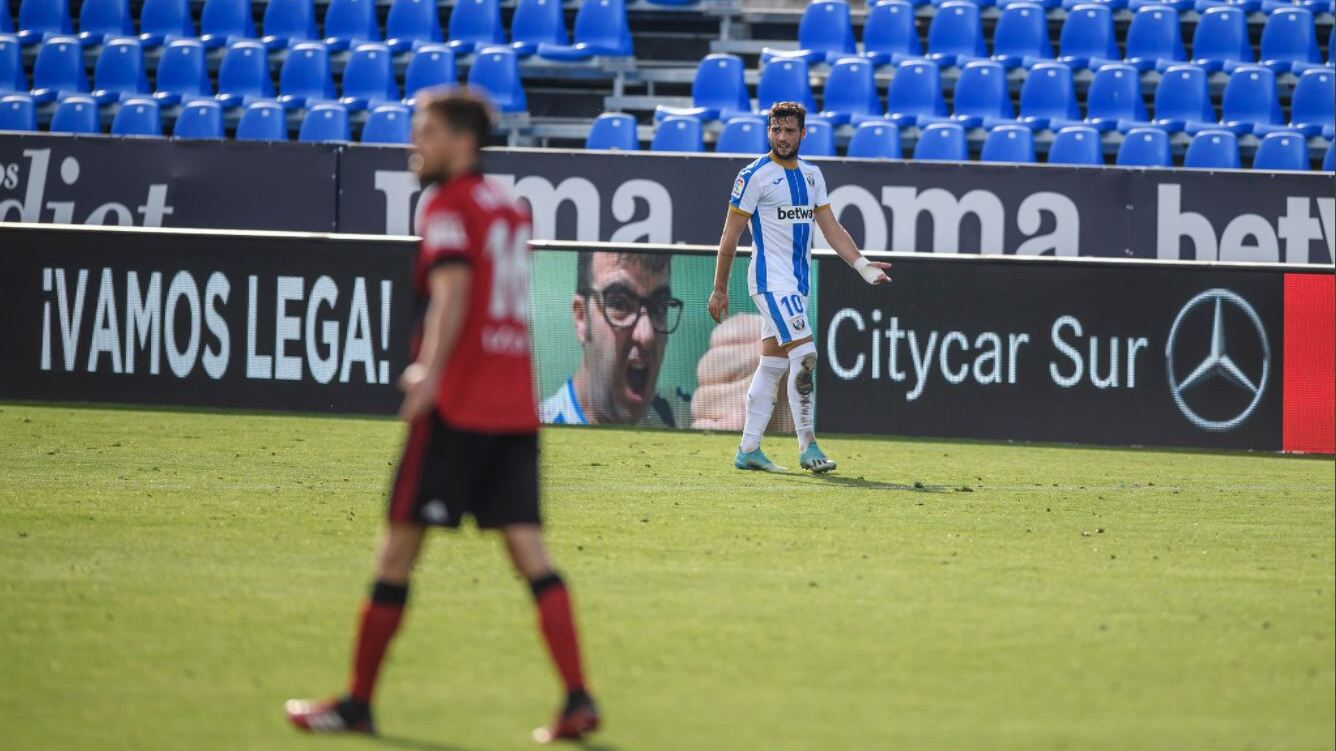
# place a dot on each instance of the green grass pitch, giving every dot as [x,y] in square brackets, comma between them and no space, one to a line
[167,579]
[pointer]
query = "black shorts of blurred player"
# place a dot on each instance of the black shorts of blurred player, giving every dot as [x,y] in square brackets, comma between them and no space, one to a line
[446,474]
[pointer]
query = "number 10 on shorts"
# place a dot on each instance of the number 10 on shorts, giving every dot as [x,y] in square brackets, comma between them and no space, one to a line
[793,304]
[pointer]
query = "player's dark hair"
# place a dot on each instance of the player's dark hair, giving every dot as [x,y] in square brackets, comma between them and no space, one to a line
[785,110]
[463,110]
[655,263]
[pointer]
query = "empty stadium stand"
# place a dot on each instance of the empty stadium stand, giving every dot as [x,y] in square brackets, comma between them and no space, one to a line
[1211,84]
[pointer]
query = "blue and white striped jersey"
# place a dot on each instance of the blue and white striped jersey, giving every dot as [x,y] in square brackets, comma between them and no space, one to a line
[781,200]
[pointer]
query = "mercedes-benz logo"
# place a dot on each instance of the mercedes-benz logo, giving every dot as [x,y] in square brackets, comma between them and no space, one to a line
[1218,363]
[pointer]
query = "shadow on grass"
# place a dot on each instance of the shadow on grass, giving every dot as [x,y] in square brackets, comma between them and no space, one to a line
[862,483]
[415,744]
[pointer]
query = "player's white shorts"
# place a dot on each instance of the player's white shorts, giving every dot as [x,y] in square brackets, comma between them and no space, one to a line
[783,316]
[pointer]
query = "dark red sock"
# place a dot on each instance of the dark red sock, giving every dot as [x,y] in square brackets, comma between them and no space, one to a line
[558,627]
[380,619]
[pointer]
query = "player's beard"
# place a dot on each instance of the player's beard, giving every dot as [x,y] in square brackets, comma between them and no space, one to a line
[793,152]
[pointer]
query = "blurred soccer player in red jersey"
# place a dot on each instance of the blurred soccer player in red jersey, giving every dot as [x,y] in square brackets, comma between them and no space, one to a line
[472,447]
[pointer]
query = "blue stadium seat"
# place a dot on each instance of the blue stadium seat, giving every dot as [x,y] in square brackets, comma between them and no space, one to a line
[58,70]
[537,22]
[719,91]
[943,142]
[1076,144]
[955,34]
[39,19]
[1221,38]
[825,34]
[1112,5]
[199,119]
[137,117]
[1313,102]
[349,23]
[889,35]
[1249,100]
[368,78]
[600,30]
[6,24]
[473,24]
[182,73]
[1289,41]
[851,91]
[161,21]
[873,140]
[1282,151]
[980,3]
[915,91]
[102,18]
[1021,35]
[119,73]
[1114,101]
[287,22]
[262,121]
[1047,5]
[12,78]
[743,135]
[225,21]
[76,114]
[1154,38]
[325,121]
[981,95]
[1183,100]
[1329,161]
[1213,149]
[784,80]
[1047,94]
[820,139]
[1179,6]
[18,112]
[1145,147]
[390,123]
[432,65]
[1009,143]
[613,131]
[305,76]
[497,72]
[243,75]
[1087,39]
[678,133]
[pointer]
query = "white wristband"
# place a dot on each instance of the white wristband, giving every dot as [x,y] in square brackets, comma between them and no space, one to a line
[870,273]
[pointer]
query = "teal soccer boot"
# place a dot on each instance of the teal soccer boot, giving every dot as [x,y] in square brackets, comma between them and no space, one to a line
[755,460]
[813,460]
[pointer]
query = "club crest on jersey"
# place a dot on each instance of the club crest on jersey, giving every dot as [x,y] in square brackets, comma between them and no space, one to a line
[738,187]
[794,214]
[797,323]
[811,181]
[445,232]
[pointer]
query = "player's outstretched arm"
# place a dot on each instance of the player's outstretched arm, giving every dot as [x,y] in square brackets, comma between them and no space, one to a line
[873,272]
[440,328]
[723,265]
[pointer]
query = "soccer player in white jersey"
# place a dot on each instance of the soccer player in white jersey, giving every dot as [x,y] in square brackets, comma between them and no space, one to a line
[780,197]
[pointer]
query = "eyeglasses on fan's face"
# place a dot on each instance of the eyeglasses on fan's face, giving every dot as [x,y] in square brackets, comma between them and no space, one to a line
[622,308]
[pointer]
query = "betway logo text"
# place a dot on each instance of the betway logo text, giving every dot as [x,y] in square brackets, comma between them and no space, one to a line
[794,213]
[1247,237]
